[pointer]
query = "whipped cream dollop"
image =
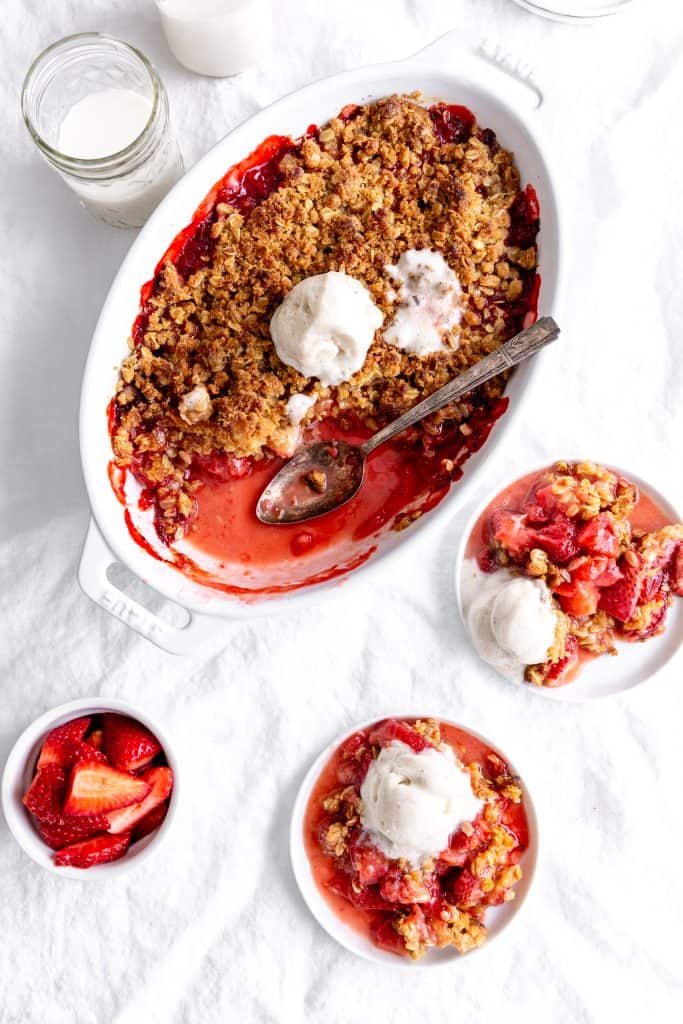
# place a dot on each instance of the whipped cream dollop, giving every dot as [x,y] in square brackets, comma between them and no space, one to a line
[429,295]
[414,801]
[325,325]
[298,406]
[511,619]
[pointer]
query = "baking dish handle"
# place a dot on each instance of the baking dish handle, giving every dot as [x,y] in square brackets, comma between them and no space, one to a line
[96,560]
[485,61]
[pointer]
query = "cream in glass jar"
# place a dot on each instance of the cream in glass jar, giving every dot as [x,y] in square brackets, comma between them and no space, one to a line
[98,112]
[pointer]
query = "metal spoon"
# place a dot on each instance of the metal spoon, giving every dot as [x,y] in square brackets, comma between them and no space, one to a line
[326,474]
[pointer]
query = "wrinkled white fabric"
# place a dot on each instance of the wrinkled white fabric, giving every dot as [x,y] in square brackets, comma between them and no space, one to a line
[213,928]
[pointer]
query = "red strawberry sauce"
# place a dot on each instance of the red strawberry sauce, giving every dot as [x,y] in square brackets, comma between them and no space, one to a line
[323,868]
[646,516]
[400,476]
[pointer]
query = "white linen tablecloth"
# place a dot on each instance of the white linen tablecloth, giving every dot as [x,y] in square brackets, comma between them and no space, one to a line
[213,928]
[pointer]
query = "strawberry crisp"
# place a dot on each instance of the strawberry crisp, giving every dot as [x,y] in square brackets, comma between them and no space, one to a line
[101,783]
[606,555]
[203,395]
[449,805]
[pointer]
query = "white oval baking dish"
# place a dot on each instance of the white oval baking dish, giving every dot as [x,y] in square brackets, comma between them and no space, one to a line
[444,71]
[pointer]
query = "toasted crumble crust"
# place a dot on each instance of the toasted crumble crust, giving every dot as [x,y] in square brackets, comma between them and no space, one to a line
[353,200]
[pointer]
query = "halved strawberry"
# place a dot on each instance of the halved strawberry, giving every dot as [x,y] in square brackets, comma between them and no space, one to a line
[95,739]
[58,740]
[599,536]
[45,795]
[541,502]
[128,745]
[557,538]
[391,730]
[578,597]
[96,788]
[151,821]
[68,829]
[161,783]
[599,569]
[621,599]
[368,862]
[99,849]
[511,531]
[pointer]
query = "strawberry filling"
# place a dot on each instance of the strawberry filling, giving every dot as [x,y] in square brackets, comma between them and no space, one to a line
[403,909]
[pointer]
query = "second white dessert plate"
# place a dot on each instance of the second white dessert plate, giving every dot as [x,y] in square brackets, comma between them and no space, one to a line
[604,676]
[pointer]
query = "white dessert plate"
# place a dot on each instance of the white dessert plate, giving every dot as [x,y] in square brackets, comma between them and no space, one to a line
[576,10]
[497,918]
[604,676]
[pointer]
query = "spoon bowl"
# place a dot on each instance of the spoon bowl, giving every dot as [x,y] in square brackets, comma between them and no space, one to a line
[325,475]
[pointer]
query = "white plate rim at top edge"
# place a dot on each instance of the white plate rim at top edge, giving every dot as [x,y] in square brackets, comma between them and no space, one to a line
[499,919]
[658,650]
[557,10]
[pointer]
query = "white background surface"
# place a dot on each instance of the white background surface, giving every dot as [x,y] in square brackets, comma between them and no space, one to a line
[213,928]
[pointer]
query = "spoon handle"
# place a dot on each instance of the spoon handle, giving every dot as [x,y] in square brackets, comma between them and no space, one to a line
[523,345]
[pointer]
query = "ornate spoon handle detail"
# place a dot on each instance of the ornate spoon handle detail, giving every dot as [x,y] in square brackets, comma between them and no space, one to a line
[523,345]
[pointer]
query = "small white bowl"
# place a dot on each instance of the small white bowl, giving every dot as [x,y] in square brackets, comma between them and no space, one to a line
[19,770]
[604,676]
[497,918]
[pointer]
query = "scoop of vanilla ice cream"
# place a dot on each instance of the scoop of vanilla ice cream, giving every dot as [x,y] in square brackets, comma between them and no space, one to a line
[414,801]
[511,619]
[325,325]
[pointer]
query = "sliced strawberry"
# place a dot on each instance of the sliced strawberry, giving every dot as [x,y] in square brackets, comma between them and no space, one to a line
[511,531]
[541,502]
[151,821]
[45,795]
[95,739]
[557,673]
[621,599]
[599,536]
[99,849]
[578,597]
[368,862]
[69,829]
[59,740]
[391,730]
[129,746]
[599,569]
[160,781]
[676,571]
[96,788]
[81,751]
[557,538]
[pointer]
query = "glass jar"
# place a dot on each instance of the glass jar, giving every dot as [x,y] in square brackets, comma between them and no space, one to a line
[124,186]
